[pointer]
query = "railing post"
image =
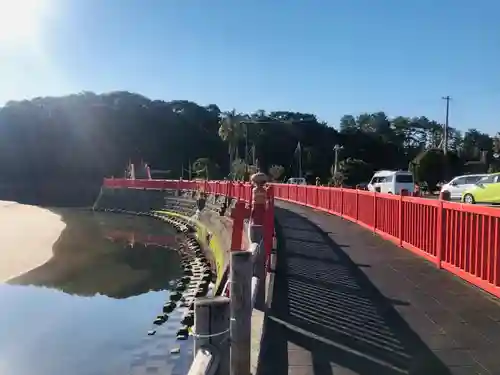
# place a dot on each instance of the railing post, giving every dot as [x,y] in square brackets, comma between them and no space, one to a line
[357,205]
[374,211]
[341,201]
[269,224]
[179,184]
[328,200]
[238,215]
[258,198]
[211,317]
[441,227]
[316,204]
[404,193]
[241,312]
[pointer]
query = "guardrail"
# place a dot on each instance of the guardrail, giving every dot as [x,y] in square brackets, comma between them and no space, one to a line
[223,324]
[237,190]
[460,238]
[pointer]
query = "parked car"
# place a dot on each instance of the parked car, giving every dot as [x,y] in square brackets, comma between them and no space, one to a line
[459,184]
[392,182]
[486,190]
[297,181]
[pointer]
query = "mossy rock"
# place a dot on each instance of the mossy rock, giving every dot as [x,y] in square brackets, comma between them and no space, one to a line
[188,319]
[175,296]
[160,319]
[169,307]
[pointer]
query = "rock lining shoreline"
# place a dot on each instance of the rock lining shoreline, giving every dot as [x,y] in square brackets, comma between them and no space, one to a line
[198,279]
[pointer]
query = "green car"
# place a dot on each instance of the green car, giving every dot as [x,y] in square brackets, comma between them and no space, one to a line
[486,190]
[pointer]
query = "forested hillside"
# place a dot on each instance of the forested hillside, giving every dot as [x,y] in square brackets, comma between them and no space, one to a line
[81,138]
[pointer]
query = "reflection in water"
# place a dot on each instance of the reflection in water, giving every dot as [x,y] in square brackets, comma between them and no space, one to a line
[86,263]
[46,332]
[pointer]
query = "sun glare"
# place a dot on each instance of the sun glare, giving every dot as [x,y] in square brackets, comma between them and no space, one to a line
[21,21]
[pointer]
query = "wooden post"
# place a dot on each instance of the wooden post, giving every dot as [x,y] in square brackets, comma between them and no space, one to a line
[257,233]
[241,312]
[211,319]
[269,223]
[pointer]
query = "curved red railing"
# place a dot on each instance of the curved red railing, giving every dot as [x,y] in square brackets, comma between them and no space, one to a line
[462,239]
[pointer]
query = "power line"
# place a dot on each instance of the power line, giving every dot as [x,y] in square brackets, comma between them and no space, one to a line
[446,124]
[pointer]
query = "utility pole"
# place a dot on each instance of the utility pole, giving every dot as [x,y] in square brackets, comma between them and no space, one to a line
[300,160]
[446,124]
[337,148]
[246,149]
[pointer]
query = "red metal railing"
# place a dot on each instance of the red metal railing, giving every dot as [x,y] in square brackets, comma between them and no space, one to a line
[238,190]
[462,239]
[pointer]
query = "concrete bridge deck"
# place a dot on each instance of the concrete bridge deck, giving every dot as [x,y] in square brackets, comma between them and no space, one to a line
[345,301]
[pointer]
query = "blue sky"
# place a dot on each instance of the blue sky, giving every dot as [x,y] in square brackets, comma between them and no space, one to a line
[328,57]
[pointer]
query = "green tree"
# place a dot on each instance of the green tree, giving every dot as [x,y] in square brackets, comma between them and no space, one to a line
[231,131]
[276,172]
[205,168]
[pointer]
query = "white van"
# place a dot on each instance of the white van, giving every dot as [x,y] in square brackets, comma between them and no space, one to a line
[459,184]
[297,181]
[392,182]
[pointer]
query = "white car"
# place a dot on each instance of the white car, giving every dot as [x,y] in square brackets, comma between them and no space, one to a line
[458,185]
[392,182]
[297,181]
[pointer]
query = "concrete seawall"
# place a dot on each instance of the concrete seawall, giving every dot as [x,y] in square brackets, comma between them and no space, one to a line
[213,231]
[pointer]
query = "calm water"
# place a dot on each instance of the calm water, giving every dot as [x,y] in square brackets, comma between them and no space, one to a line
[88,310]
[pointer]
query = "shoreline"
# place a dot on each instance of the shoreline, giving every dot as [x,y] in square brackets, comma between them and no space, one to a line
[27,237]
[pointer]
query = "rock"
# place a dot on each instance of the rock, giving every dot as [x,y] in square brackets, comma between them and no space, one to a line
[169,307]
[175,296]
[183,331]
[160,320]
[203,284]
[188,320]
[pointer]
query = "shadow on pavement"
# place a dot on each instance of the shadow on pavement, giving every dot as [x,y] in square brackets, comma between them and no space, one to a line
[327,318]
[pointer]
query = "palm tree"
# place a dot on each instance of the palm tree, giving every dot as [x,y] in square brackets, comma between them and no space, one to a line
[231,131]
[276,171]
[205,168]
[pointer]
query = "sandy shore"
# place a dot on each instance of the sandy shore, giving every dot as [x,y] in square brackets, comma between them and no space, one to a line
[27,234]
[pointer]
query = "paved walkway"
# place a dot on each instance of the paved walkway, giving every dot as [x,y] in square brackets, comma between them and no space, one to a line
[347,302]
